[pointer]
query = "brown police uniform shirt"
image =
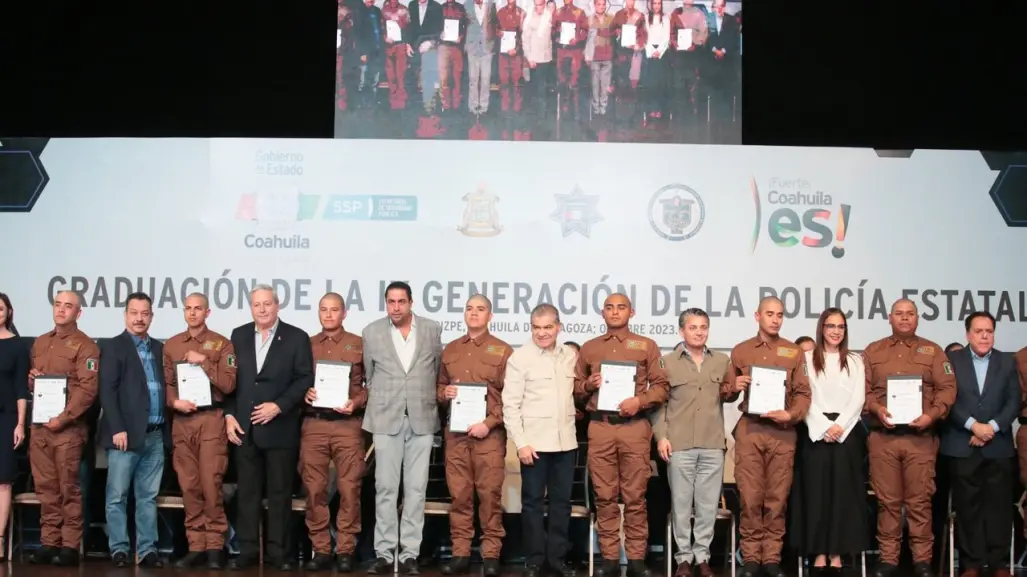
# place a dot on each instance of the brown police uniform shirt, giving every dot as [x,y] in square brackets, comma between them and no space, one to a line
[622,345]
[1021,368]
[219,364]
[510,19]
[75,356]
[693,416]
[780,353]
[345,347]
[913,356]
[573,14]
[478,360]
[635,18]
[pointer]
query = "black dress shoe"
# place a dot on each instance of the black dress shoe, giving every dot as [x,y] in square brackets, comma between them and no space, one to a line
[381,566]
[284,566]
[67,557]
[319,562]
[151,561]
[922,570]
[215,560]
[531,571]
[409,567]
[43,556]
[750,570]
[491,567]
[566,570]
[241,562]
[456,566]
[120,560]
[773,570]
[637,568]
[607,569]
[344,563]
[191,559]
[884,570]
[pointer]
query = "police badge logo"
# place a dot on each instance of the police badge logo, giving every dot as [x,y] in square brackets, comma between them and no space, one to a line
[481,218]
[576,212]
[676,212]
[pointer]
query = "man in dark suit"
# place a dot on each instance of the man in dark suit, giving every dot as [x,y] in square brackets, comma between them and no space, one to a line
[426,25]
[262,418]
[134,431]
[978,439]
[723,60]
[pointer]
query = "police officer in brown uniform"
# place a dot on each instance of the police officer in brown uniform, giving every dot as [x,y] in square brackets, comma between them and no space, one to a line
[619,443]
[200,455]
[334,435]
[902,457]
[476,459]
[1021,433]
[55,448]
[765,444]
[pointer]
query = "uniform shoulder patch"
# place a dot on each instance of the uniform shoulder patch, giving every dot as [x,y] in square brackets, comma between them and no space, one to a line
[91,365]
[787,352]
[498,350]
[231,360]
[74,345]
[208,345]
[637,345]
[947,367]
[662,364]
[925,350]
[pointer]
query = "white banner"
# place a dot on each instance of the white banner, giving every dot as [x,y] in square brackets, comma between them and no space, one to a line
[674,227]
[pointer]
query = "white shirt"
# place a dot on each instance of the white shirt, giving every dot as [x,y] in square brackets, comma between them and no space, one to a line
[261,345]
[658,34]
[479,11]
[835,391]
[405,347]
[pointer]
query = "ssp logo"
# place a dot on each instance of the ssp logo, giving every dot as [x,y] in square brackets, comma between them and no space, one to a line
[796,213]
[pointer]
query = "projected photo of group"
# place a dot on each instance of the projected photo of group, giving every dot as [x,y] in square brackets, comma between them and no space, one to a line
[540,70]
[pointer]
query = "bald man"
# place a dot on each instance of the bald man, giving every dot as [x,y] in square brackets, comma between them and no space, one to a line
[55,447]
[619,433]
[903,454]
[475,364]
[200,455]
[765,441]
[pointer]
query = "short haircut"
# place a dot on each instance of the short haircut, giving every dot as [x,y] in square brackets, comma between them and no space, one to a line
[138,297]
[264,287]
[481,297]
[545,309]
[977,315]
[400,285]
[692,312]
[804,339]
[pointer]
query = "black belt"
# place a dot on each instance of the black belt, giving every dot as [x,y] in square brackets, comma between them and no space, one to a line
[612,419]
[1022,420]
[211,407]
[152,428]
[327,416]
[902,430]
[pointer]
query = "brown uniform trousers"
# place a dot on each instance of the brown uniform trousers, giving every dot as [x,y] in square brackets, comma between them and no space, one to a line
[619,447]
[55,455]
[396,53]
[511,68]
[1021,433]
[476,465]
[200,441]
[330,437]
[902,460]
[764,450]
[569,58]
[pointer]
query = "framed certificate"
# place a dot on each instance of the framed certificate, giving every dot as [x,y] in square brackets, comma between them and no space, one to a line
[469,407]
[905,399]
[49,397]
[618,384]
[766,390]
[331,383]
[193,384]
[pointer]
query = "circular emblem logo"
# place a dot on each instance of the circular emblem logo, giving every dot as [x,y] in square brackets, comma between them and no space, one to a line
[676,212]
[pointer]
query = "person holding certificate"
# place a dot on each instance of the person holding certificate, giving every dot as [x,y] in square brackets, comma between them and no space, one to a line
[471,385]
[771,372]
[910,389]
[63,382]
[199,370]
[620,378]
[331,433]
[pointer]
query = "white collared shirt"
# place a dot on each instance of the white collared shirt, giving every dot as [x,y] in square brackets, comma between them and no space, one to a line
[835,391]
[261,345]
[405,347]
[479,11]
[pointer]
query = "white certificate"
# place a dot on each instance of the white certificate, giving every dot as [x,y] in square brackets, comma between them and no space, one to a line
[618,384]
[469,407]
[331,383]
[392,31]
[905,399]
[766,390]
[627,36]
[684,38]
[567,30]
[338,38]
[193,384]
[508,42]
[49,396]
[451,30]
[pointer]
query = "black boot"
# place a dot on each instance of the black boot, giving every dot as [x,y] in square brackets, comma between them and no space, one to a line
[456,566]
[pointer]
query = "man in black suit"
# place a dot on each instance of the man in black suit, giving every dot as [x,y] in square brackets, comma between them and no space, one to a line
[262,418]
[723,60]
[426,25]
[134,431]
[978,439]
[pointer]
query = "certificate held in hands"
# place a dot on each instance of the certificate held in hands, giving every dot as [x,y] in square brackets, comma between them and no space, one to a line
[469,407]
[193,384]
[331,384]
[905,399]
[49,396]
[766,390]
[618,384]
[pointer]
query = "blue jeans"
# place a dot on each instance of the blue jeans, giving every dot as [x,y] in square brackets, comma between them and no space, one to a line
[143,471]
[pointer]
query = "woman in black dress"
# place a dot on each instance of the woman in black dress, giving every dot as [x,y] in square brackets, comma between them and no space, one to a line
[14,372]
[830,512]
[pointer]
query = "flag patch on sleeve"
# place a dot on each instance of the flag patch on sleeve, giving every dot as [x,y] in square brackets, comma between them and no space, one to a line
[91,365]
[231,360]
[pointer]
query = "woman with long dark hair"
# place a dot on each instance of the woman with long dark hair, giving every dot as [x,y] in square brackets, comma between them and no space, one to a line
[830,519]
[14,394]
[656,70]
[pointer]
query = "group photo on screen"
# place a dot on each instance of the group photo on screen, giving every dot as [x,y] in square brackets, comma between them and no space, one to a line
[540,70]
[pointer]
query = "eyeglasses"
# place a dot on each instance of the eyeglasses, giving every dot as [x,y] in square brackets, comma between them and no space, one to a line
[831,327]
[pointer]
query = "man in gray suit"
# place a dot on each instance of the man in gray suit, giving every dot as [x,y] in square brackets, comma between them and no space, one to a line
[402,353]
[978,439]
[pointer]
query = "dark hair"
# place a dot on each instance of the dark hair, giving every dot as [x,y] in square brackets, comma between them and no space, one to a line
[576,346]
[138,297]
[692,312]
[804,339]
[663,11]
[9,321]
[977,315]
[953,347]
[400,285]
[843,347]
